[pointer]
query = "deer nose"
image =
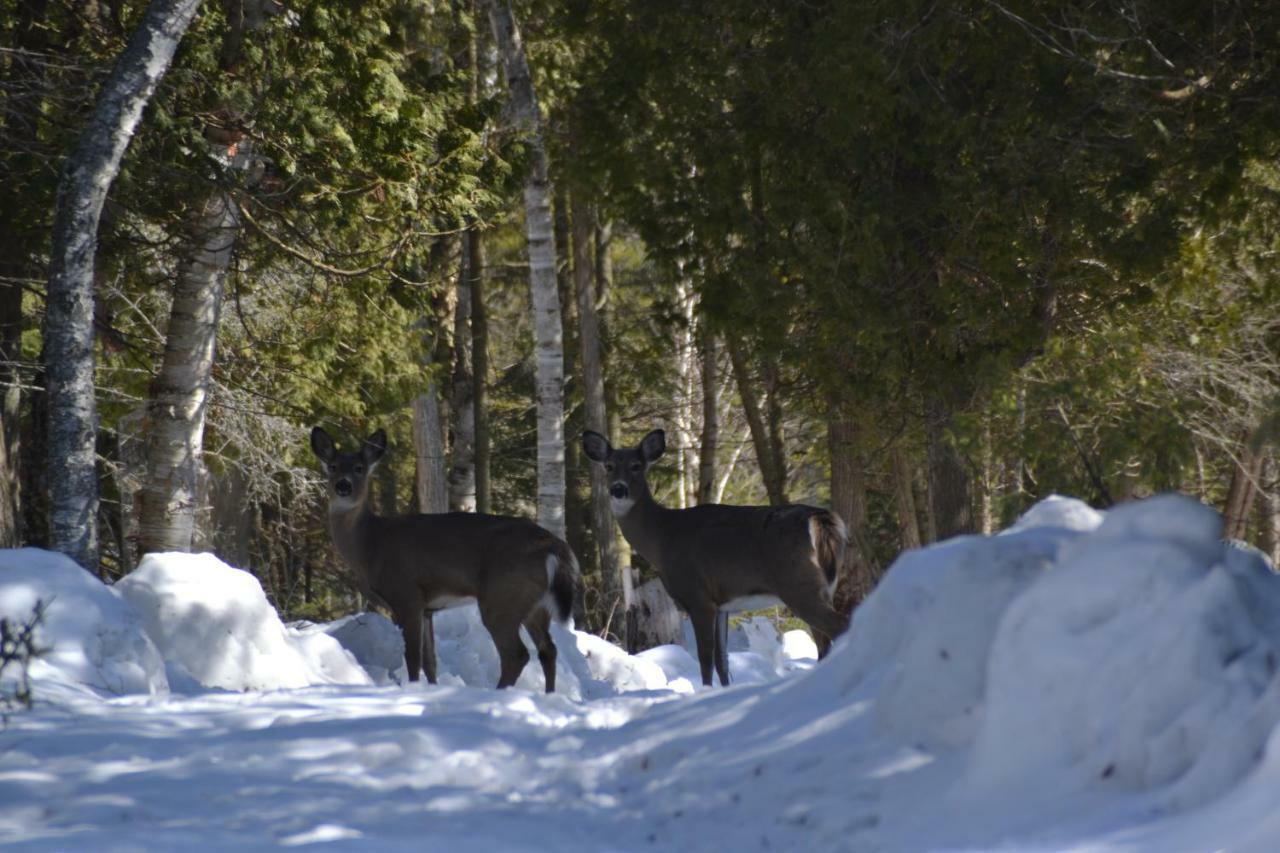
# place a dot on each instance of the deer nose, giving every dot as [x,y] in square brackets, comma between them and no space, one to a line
[343,488]
[618,490]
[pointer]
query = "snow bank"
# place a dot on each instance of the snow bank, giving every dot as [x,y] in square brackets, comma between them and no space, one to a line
[214,622]
[374,641]
[921,640]
[1146,659]
[92,639]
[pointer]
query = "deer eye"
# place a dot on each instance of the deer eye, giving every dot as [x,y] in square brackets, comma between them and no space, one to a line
[359,469]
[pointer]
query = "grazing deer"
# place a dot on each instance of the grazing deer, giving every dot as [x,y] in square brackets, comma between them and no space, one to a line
[714,559]
[415,565]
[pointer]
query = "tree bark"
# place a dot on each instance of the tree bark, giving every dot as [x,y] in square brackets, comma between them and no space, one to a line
[771,472]
[859,574]
[548,334]
[179,393]
[903,500]
[480,366]
[1245,474]
[594,402]
[431,482]
[949,489]
[68,354]
[18,121]
[1269,511]
[709,443]
[462,450]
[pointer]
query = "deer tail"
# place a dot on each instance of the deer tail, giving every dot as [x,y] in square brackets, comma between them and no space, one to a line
[562,581]
[830,537]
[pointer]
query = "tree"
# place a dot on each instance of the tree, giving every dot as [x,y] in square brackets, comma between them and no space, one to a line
[548,332]
[179,394]
[68,343]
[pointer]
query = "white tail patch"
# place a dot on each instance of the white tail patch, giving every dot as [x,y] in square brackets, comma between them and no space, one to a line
[815,531]
[553,563]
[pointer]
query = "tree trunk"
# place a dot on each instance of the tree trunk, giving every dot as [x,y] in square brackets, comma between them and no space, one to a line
[68,353]
[462,450]
[903,500]
[858,574]
[23,104]
[603,293]
[594,402]
[548,341]
[1245,473]
[1269,511]
[179,393]
[986,482]
[431,482]
[171,493]
[949,491]
[657,620]
[710,417]
[773,474]
[480,365]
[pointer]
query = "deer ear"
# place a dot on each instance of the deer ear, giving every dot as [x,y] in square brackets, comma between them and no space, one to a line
[653,445]
[374,447]
[596,446]
[322,444]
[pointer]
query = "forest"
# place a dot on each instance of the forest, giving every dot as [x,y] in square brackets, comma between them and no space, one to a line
[923,263]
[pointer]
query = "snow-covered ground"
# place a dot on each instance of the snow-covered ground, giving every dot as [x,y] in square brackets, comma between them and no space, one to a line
[1079,682]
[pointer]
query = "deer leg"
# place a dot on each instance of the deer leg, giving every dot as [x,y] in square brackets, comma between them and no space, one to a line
[429,646]
[512,655]
[722,647]
[539,627]
[704,632]
[825,622]
[410,621]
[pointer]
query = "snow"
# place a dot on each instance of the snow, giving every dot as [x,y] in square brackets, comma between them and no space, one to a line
[1081,681]
[214,623]
[93,641]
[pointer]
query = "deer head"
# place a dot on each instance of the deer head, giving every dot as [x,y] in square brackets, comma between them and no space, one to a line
[625,469]
[348,472]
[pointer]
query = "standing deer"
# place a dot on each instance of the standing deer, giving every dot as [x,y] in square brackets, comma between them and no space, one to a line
[415,565]
[714,559]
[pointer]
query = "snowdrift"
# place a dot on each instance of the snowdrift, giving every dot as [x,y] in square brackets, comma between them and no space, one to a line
[1075,654]
[93,640]
[189,623]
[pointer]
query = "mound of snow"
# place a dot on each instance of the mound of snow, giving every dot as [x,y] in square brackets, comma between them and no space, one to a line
[1146,658]
[1059,511]
[374,641]
[90,636]
[214,622]
[922,638]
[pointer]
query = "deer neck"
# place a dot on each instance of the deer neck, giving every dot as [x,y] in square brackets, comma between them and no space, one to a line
[351,525]
[642,524]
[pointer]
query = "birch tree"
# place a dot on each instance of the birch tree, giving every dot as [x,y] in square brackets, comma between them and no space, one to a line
[177,405]
[68,332]
[547,329]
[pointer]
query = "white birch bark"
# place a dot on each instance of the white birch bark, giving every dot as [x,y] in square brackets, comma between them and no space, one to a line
[68,339]
[179,393]
[547,329]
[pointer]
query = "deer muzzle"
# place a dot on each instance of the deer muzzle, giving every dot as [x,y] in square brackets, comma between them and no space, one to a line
[342,488]
[619,491]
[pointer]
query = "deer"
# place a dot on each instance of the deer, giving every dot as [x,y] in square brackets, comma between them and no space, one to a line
[417,565]
[716,559]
